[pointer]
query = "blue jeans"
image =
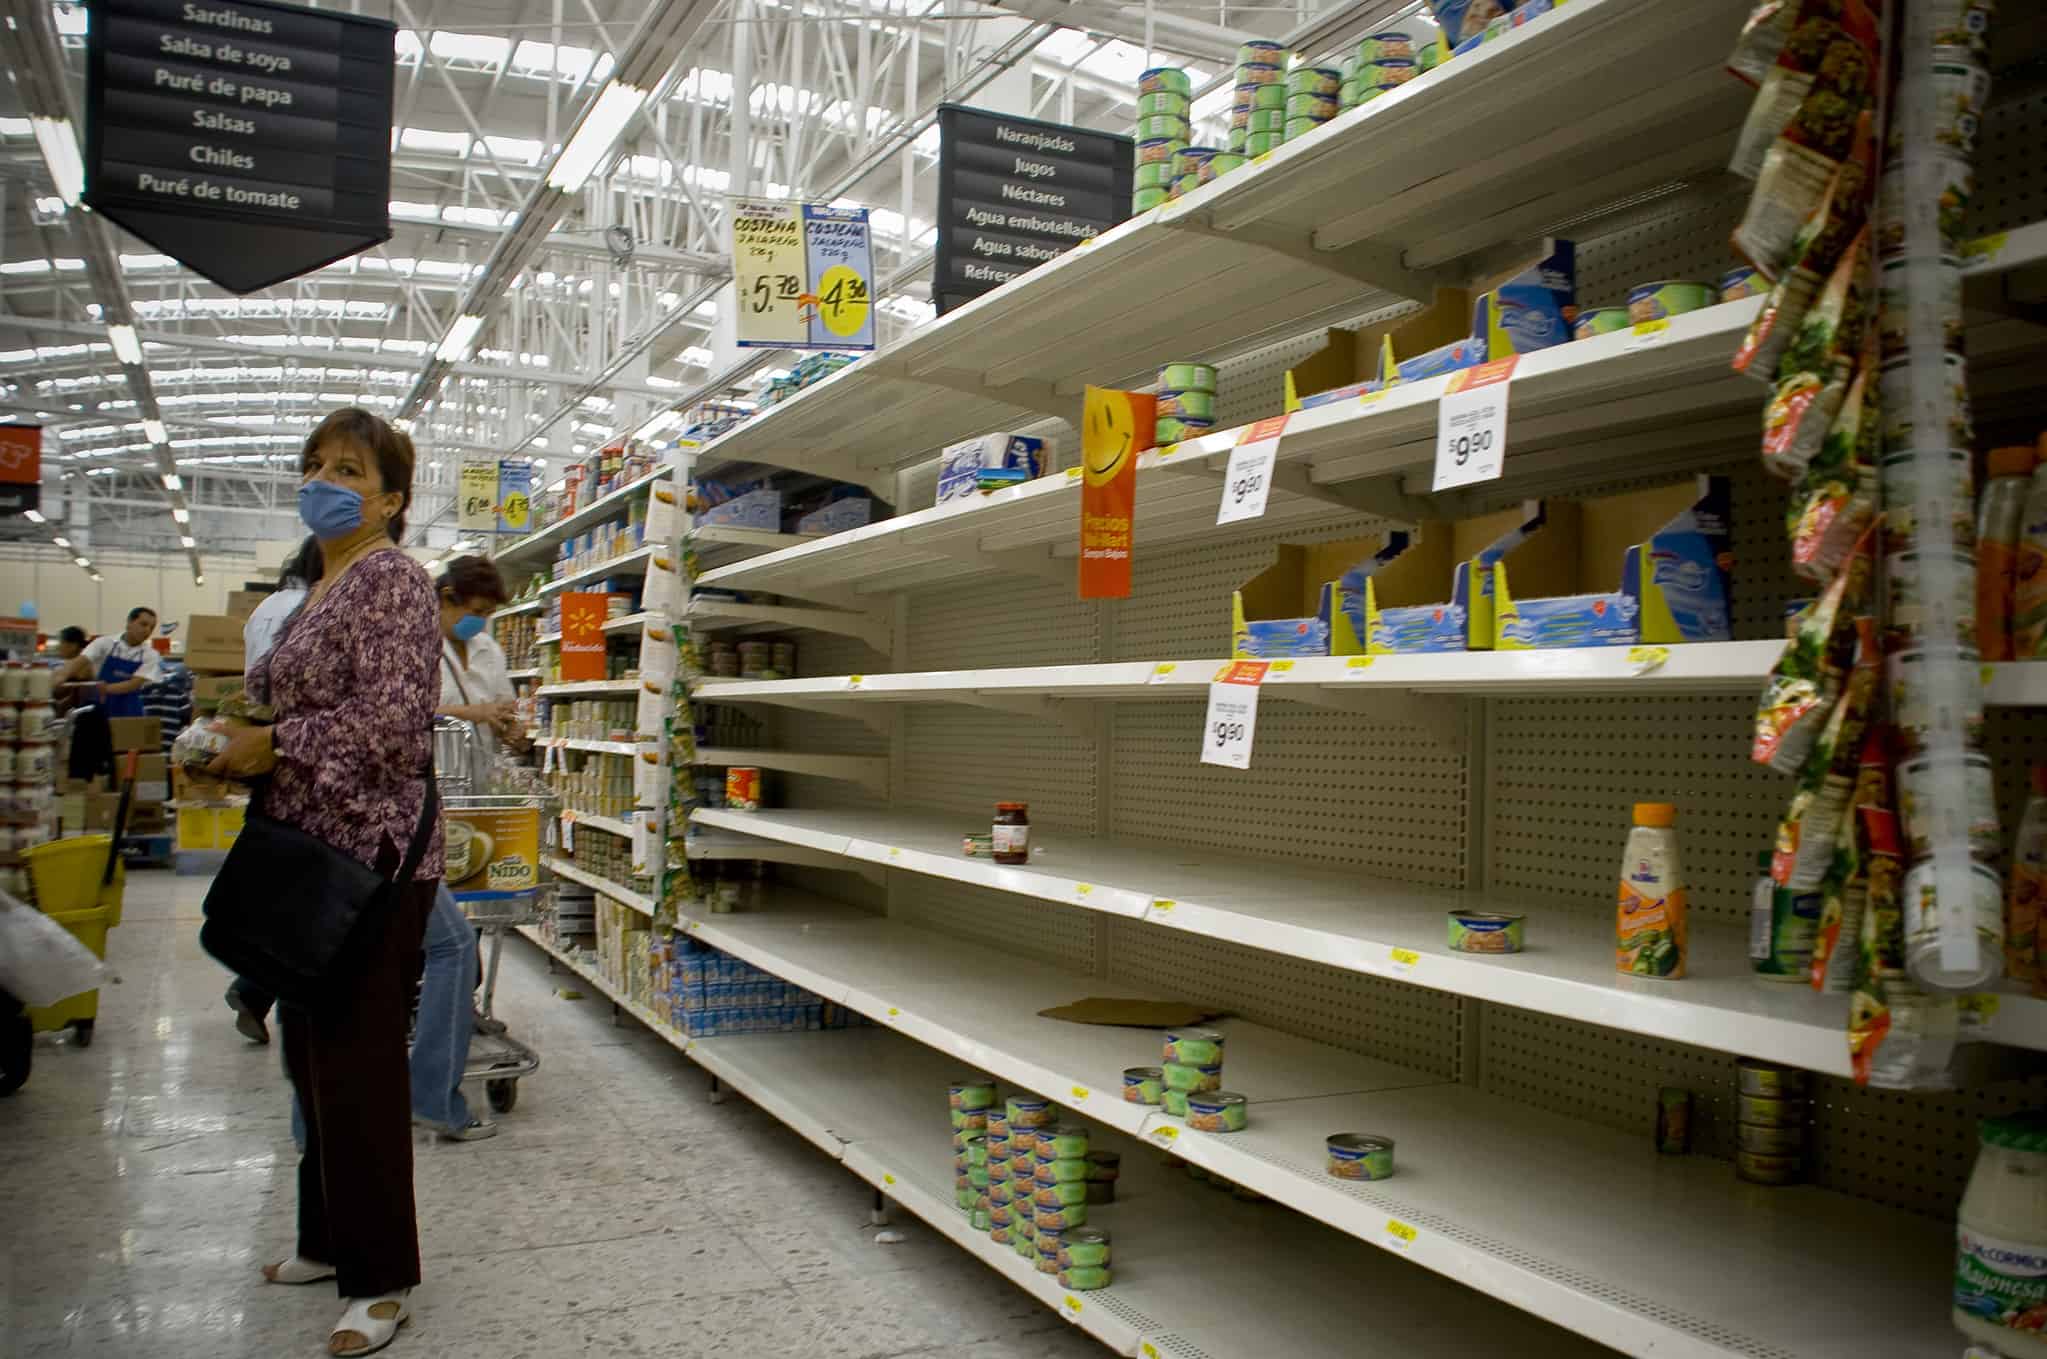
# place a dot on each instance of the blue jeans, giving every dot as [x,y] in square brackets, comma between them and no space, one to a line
[447,1021]
[440,1037]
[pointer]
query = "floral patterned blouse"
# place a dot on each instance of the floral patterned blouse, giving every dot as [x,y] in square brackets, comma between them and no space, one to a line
[354,680]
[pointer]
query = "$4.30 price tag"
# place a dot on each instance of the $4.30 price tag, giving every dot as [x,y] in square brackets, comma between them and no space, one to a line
[1248,482]
[1232,721]
[1471,425]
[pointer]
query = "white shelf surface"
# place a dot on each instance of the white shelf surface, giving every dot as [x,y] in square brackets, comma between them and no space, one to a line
[1380,927]
[869,771]
[1334,223]
[632,563]
[718,543]
[631,622]
[596,512]
[596,822]
[710,614]
[707,845]
[529,672]
[623,895]
[594,747]
[1709,1268]
[590,688]
[875,1101]
[546,638]
[511,610]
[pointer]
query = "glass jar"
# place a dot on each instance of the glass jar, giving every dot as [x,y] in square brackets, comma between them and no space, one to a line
[42,683]
[1012,833]
[38,722]
[2000,1295]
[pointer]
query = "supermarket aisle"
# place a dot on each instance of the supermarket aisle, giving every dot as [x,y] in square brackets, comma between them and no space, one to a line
[619,1213]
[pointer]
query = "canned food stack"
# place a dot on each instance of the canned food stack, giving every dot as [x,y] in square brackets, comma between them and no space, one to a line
[1382,62]
[1164,128]
[1192,1079]
[28,768]
[1774,1108]
[1258,108]
[1311,99]
[1186,404]
[1027,1118]
[1059,1193]
[968,1100]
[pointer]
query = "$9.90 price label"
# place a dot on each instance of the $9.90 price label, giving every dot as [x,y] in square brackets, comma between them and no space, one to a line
[1232,719]
[1248,482]
[1471,426]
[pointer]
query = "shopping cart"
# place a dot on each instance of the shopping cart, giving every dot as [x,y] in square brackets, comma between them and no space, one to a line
[493,814]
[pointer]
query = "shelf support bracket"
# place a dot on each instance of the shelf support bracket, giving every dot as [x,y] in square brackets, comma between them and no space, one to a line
[1373,265]
[1036,562]
[1042,397]
[1073,716]
[1441,716]
[871,628]
[876,717]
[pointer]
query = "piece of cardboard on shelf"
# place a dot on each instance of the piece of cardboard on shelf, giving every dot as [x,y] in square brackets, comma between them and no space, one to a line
[1455,330]
[1674,551]
[1402,607]
[1305,603]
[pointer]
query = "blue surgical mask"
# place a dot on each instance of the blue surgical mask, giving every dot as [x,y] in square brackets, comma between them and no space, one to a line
[466,627]
[330,510]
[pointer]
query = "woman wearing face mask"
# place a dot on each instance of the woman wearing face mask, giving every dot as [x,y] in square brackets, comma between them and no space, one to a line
[474,687]
[352,680]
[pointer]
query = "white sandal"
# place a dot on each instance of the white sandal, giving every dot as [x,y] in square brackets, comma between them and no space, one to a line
[297,1270]
[361,1323]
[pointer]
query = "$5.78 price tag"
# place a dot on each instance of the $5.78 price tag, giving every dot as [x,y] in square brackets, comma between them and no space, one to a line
[1248,482]
[1232,720]
[1471,426]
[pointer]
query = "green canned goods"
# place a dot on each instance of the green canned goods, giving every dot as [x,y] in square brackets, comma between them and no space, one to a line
[1185,405]
[1063,1194]
[1156,175]
[1238,136]
[1173,127]
[1350,94]
[1049,1239]
[1175,1103]
[1021,1165]
[1193,1047]
[1164,80]
[999,1174]
[971,1092]
[1220,164]
[978,1176]
[1172,431]
[1072,1171]
[1261,73]
[1144,200]
[1185,184]
[1668,297]
[1193,1076]
[1321,80]
[1429,55]
[977,1152]
[1385,74]
[1301,127]
[1086,1247]
[1189,159]
[962,1138]
[998,1232]
[1000,1192]
[1062,1217]
[1030,1111]
[1159,150]
[1261,143]
[969,1119]
[1260,96]
[1267,120]
[1021,1244]
[1359,1156]
[966,1197]
[1673,1120]
[979,1219]
[1069,1142]
[1145,1084]
[1385,46]
[1259,52]
[1157,105]
[1219,1111]
[1770,1080]
[1023,1141]
[1084,1278]
[1599,321]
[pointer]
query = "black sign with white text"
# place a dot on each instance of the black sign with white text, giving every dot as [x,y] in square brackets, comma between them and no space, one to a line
[248,140]
[1015,192]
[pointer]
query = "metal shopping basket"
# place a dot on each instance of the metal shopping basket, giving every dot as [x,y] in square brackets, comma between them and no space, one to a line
[494,815]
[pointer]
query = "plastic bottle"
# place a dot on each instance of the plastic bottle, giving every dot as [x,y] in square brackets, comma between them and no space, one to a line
[2001,1239]
[1999,512]
[2029,581]
[2028,883]
[1650,932]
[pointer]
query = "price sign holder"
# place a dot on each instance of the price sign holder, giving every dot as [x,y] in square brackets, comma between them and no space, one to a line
[1247,484]
[1231,723]
[1471,425]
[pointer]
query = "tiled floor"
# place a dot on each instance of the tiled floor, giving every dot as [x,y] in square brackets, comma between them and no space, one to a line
[618,1213]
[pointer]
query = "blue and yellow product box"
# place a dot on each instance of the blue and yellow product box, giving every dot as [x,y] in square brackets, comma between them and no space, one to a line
[1400,611]
[1532,310]
[1674,548]
[1266,622]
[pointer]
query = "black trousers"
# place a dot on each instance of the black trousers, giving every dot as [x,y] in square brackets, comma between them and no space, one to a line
[349,1064]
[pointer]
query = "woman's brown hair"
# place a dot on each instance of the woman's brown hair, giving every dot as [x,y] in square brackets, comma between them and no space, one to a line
[474,578]
[392,449]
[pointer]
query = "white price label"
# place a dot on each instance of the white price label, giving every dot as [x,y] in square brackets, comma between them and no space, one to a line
[1248,482]
[1399,1236]
[1471,426]
[1232,720]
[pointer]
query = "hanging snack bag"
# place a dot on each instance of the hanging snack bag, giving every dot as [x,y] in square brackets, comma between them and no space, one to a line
[1836,500]
[1762,39]
[1807,835]
[1805,109]
[1808,677]
[1817,368]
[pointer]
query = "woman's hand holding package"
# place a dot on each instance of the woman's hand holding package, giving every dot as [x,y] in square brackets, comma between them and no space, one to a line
[250,753]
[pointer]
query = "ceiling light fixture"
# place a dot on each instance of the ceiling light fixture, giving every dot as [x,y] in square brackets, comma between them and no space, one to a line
[187,541]
[181,514]
[60,154]
[173,482]
[61,541]
[127,348]
[33,516]
[460,341]
[613,108]
[154,431]
[198,577]
[83,561]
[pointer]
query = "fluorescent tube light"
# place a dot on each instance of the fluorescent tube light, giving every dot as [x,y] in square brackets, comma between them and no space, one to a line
[127,348]
[60,154]
[153,430]
[460,341]
[595,135]
[173,482]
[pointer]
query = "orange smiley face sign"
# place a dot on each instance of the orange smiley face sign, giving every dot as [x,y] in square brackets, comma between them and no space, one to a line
[1115,427]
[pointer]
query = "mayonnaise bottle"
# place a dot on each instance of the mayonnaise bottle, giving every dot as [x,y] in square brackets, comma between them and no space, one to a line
[2000,511]
[2001,1239]
[1649,927]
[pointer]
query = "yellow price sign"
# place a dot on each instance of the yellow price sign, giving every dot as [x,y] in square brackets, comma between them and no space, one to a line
[1079,1092]
[1399,1235]
[888,1179]
[1073,474]
[1163,670]
[1643,659]
[1404,959]
[1083,890]
[1165,1134]
[1073,1304]
[843,303]
[1370,398]
[1163,903]
[515,511]
[1280,667]
[1985,248]
[1359,662]
[893,1012]
[853,681]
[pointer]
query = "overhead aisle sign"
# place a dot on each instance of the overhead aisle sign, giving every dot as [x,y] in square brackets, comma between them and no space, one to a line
[249,141]
[1014,193]
[805,274]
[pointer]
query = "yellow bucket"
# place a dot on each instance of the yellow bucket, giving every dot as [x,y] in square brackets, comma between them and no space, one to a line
[66,876]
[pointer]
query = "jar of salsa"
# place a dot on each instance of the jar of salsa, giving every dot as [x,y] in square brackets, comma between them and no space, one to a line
[1012,833]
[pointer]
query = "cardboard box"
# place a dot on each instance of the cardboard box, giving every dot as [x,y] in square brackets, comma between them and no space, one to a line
[242,603]
[213,644]
[206,828]
[849,512]
[99,811]
[137,733]
[756,509]
[960,465]
[1439,595]
[188,788]
[1297,606]
[147,818]
[1674,550]
[208,690]
[152,777]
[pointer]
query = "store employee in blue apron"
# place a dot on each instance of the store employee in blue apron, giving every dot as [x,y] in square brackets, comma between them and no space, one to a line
[120,666]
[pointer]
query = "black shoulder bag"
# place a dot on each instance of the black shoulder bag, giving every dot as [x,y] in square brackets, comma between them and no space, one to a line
[287,908]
